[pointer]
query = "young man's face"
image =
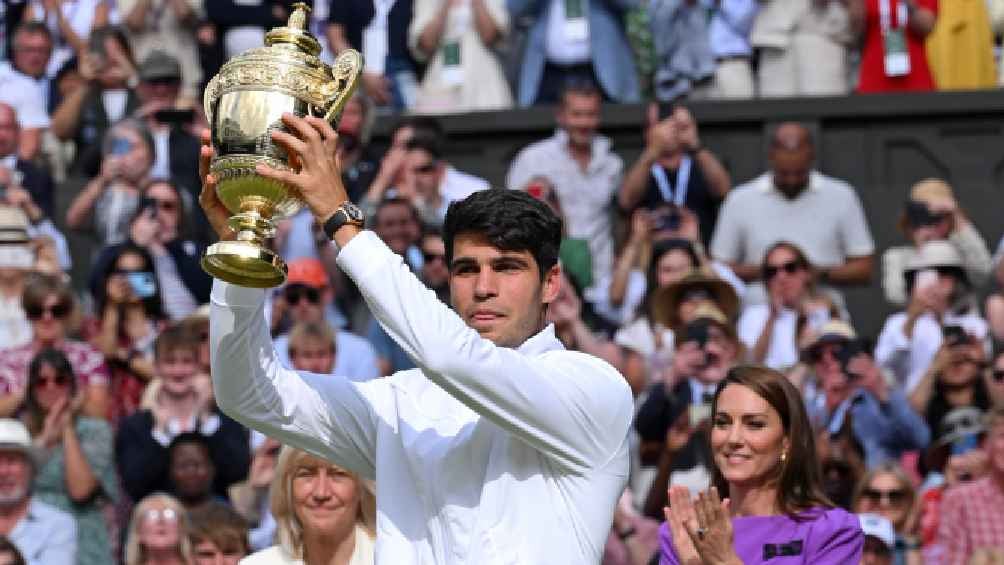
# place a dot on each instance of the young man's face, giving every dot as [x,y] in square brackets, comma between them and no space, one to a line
[176,368]
[397,227]
[313,355]
[499,293]
[579,115]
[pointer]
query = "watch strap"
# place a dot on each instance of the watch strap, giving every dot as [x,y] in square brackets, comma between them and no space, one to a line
[337,220]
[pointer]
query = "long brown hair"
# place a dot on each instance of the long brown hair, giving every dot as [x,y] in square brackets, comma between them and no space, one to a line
[800,479]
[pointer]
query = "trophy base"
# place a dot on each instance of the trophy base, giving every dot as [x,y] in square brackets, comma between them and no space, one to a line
[244,264]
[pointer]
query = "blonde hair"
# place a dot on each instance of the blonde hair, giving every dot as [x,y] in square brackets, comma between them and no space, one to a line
[134,554]
[887,468]
[289,531]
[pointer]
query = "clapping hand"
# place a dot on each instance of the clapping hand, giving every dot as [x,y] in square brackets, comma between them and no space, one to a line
[702,529]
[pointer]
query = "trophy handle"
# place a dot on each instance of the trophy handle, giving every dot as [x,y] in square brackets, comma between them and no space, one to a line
[345,74]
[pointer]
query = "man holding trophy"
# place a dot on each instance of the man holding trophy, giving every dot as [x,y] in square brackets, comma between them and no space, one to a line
[501,447]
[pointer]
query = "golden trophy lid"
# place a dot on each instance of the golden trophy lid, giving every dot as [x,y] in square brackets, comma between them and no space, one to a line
[295,32]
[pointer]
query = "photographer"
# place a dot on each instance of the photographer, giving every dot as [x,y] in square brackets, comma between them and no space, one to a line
[940,296]
[110,199]
[857,393]
[675,168]
[672,420]
[130,316]
[955,379]
[933,213]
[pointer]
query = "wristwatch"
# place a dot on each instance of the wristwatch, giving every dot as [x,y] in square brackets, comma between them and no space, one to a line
[347,213]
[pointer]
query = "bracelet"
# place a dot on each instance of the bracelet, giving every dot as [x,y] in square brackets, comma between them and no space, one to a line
[627,533]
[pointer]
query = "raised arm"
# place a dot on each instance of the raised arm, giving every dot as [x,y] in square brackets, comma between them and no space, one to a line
[573,407]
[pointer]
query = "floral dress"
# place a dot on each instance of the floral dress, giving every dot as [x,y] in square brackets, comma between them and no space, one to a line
[94,533]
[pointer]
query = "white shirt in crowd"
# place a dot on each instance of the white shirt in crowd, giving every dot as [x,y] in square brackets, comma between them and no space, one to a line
[481,454]
[782,352]
[826,221]
[24,95]
[730,25]
[586,196]
[909,357]
[567,42]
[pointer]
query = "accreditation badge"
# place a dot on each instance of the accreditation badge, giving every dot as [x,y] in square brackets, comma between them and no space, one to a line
[453,73]
[896,55]
[576,24]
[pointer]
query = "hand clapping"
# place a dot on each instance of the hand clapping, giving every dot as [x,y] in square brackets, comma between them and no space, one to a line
[701,529]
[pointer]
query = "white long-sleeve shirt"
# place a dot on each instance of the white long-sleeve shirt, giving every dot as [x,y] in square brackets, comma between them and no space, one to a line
[482,455]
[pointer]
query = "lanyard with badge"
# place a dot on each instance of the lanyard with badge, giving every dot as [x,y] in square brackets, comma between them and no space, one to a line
[576,26]
[458,21]
[375,42]
[896,56]
[682,181]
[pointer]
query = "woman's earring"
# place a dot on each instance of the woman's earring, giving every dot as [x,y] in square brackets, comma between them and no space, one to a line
[784,456]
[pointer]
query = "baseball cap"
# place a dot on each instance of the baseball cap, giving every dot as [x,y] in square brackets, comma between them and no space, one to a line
[159,65]
[307,271]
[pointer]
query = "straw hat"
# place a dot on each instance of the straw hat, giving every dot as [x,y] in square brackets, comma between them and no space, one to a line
[15,437]
[933,191]
[668,299]
[13,225]
[935,254]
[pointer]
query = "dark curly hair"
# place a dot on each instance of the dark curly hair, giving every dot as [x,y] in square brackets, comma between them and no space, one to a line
[511,220]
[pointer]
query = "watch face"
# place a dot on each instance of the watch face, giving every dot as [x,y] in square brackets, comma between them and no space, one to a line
[354,213]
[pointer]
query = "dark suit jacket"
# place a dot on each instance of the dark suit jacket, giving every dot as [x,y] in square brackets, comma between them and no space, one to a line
[38,183]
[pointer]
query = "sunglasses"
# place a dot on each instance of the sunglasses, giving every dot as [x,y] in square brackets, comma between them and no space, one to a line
[165,205]
[294,293]
[430,257]
[58,380]
[37,312]
[427,168]
[998,375]
[891,497]
[791,267]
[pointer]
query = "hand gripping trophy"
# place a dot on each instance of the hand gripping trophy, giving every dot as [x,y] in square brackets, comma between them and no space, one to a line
[244,103]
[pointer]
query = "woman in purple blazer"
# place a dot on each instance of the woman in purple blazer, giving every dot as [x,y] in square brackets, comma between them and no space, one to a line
[765,467]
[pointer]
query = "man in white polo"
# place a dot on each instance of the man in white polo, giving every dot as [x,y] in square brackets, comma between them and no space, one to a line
[501,447]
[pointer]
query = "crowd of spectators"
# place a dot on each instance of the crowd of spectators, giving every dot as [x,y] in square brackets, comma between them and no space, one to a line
[112,448]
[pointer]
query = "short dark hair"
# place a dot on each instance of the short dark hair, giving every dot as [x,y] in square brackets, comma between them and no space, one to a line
[579,86]
[428,143]
[510,220]
[174,338]
[423,125]
[220,524]
[33,27]
[396,201]
[189,438]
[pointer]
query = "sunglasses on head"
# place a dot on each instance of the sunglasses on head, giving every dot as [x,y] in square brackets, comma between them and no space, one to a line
[58,311]
[296,292]
[893,497]
[790,267]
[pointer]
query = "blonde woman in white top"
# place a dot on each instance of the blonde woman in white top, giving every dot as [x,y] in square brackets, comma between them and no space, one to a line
[456,38]
[324,514]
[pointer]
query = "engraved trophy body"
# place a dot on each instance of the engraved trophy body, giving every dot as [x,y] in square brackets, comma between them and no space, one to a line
[244,103]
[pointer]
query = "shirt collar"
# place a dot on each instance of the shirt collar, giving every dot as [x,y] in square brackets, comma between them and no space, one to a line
[600,145]
[541,342]
[766,183]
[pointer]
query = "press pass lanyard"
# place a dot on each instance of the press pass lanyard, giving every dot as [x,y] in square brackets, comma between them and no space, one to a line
[896,58]
[682,180]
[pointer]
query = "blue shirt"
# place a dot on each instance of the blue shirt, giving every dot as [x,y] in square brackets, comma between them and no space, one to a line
[46,535]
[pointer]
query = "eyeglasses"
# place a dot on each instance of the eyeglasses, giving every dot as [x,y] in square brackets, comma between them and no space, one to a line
[430,257]
[791,267]
[160,515]
[58,380]
[58,311]
[891,497]
[296,292]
